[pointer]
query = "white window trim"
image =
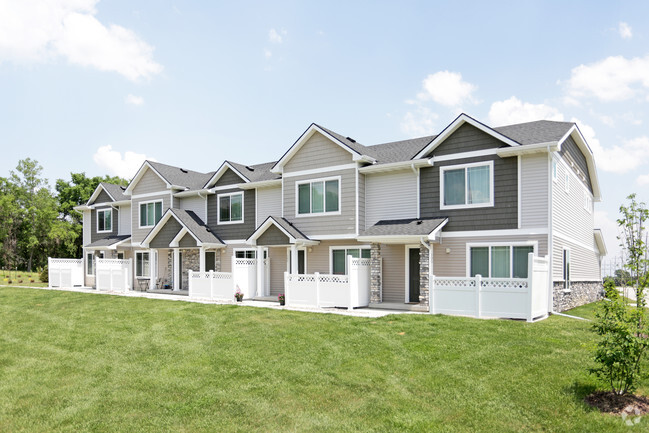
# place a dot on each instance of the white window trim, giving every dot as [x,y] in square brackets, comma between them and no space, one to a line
[566,281]
[142,277]
[324,212]
[111,220]
[588,202]
[442,169]
[93,264]
[344,247]
[533,244]
[236,250]
[566,185]
[218,208]
[139,212]
[555,170]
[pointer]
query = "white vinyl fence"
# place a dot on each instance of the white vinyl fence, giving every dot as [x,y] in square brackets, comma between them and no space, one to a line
[211,285]
[327,290]
[514,298]
[65,273]
[114,275]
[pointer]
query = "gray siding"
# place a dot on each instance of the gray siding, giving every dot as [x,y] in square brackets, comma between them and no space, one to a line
[467,138]
[313,226]
[94,236]
[195,204]
[318,151]
[229,177]
[277,258]
[138,234]
[269,202]
[150,182]
[362,187]
[232,231]
[87,227]
[571,153]
[124,220]
[187,241]
[273,236]
[103,197]
[393,273]
[504,213]
[390,196]
[166,234]
[534,191]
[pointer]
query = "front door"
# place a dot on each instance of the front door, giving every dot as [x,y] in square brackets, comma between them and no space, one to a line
[301,261]
[413,274]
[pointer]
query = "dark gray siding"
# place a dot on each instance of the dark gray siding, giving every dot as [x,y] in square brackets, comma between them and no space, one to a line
[94,236]
[273,236]
[229,178]
[571,153]
[166,234]
[103,198]
[187,241]
[504,214]
[232,231]
[467,138]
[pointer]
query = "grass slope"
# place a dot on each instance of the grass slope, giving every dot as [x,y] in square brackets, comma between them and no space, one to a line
[85,362]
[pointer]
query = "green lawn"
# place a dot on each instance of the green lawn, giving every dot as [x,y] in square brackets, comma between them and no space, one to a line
[86,362]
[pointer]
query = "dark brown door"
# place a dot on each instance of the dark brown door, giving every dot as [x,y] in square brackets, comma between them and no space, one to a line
[413,280]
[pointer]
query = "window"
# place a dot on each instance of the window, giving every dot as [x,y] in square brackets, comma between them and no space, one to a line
[566,268]
[339,258]
[499,261]
[245,254]
[588,202]
[90,264]
[120,256]
[566,186]
[142,265]
[210,261]
[231,208]
[150,213]
[469,185]
[318,197]
[554,170]
[104,220]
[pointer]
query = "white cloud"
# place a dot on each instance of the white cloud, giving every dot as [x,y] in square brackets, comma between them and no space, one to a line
[513,110]
[268,54]
[43,30]
[276,37]
[643,180]
[615,78]
[134,100]
[419,122]
[115,164]
[625,30]
[448,89]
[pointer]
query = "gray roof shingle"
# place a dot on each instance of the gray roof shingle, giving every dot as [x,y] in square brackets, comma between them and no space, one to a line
[107,242]
[115,191]
[256,172]
[180,176]
[540,131]
[198,228]
[404,227]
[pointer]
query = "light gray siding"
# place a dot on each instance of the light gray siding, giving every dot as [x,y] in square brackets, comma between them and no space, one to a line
[94,236]
[362,189]
[87,214]
[273,236]
[269,202]
[138,234]
[393,273]
[232,231]
[195,204]
[319,258]
[166,234]
[313,226]
[390,196]
[277,257]
[149,182]
[318,151]
[584,262]
[124,220]
[534,191]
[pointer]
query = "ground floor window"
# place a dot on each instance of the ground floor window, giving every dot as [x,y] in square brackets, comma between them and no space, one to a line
[566,268]
[339,258]
[142,265]
[120,256]
[499,261]
[90,264]
[248,254]
[210,261]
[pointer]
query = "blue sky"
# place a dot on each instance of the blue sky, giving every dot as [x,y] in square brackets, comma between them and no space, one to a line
[98,86]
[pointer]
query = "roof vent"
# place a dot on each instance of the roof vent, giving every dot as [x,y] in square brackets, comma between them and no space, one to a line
[123,188]
[351,139]
[183,170]
[419,222]
[250,168]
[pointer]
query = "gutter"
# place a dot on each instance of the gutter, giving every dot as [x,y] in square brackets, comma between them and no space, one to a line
[549,146]
[393,166]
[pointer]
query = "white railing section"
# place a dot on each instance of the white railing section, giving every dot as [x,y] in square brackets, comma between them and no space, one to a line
[114,274]
[65,273]
[328,290]
[211,285]
[515,298]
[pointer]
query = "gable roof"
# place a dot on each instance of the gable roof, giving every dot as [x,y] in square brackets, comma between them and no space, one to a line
[190,223]
[540,131]
[294,235]
[115,192]
[247,173]
[403,229]
[110,243]
[173,177]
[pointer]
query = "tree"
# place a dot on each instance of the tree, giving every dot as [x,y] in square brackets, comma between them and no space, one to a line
[634,241]
[11,215]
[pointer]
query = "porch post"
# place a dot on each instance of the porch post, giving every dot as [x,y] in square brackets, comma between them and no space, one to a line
[260,271]
[176,269]
[375,274]
[201,259]
[294,259]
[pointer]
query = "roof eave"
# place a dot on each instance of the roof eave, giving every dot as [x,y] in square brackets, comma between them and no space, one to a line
[395,166]
[527,149]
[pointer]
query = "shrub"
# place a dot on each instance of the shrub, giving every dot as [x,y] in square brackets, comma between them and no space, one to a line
[31,280]
[609,289]
[44,276]
[20,281]
[9,281]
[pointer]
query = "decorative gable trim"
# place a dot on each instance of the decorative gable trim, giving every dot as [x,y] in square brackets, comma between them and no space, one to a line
[140,173]
[224,167]
[270,221]
[450,129]
[174,243]
[96,193]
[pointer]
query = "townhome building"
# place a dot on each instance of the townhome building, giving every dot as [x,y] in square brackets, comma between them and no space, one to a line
[471,201]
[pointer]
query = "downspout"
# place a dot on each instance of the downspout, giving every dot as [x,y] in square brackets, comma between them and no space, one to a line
[550,243]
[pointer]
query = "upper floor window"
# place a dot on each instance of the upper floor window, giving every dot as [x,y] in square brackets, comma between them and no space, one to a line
[467,185]
[230,208]
[317,197]
[566,186]
[588,202]
[150,213]
[104,220]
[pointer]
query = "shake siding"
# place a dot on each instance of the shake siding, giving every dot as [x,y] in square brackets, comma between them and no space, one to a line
[454,264]
[166,234]
[188,241]
[269,202]
[571,153]
[467,138]
[232,231]
[124,220]
[313,226]
[194,204]
[94,236]
[273,236]
[394,273]
[138,234]
[150,182]
[534,191]
[103,197]
[318,151]
[390,196]
[504,213]
[229,177]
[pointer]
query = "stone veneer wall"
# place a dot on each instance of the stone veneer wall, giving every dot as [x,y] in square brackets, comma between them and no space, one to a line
[375,274]
[424,272]
[190,260]
[580,293]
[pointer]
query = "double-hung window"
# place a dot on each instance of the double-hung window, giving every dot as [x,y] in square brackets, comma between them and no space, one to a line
[466,186]
[339,258]
[90,264]
[142,264]
[318,197]
[104,220]
[150,213]
[230,208]
[566,268]
[499,261]
[555,174]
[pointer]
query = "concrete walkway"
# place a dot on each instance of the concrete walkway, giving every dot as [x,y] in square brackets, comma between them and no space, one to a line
[358,312]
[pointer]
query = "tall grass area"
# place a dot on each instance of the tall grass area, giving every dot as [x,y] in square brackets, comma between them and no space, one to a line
[85,362]
[20,278]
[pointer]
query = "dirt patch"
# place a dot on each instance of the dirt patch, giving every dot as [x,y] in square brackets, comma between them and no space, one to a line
[612,403]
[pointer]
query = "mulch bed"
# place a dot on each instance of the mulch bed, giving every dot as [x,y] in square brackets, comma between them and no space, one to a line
[614,404]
